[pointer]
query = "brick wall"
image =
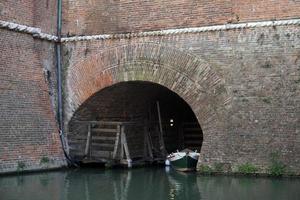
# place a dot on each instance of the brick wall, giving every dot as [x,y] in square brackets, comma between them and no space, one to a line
[28,130]
[98,17]
[37,13]
[243,85]
[258,69]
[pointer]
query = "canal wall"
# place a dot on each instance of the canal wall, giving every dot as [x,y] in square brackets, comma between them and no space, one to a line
[29,137]
[240,79]
[246,102]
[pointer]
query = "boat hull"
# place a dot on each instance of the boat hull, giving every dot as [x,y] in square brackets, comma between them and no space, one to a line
[185,163]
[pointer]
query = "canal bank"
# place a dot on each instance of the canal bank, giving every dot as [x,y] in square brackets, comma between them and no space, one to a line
[246,170]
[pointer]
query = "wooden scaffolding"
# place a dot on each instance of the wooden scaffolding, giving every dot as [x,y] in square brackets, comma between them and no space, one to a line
[107,142]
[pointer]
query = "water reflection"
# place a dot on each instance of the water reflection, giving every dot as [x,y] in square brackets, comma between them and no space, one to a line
[248,188]
[143,183]
[118,184]
[183,185]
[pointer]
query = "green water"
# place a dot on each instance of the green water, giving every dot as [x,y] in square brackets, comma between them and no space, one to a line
[142,183]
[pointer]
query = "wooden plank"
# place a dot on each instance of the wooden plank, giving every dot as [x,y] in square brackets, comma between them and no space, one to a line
[161,137]
[105,130]
[102,145]
[77,137]
[147,143]
[104,134]
[92,160]
[103,154]
[103,122]
[88,141]
[122,143]
[125,144]
[116,142]
[77,152]
[101,148]
[76,142]
[79,147]
[104,138]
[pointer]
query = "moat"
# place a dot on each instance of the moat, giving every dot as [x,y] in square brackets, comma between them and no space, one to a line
[142,183]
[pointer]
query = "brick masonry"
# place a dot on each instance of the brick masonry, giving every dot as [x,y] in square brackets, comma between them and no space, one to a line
[101,16]
[37,13]
[29,138]
[27,124]
[243,84]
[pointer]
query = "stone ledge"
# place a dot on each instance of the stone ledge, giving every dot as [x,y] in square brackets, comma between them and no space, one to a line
[37,33]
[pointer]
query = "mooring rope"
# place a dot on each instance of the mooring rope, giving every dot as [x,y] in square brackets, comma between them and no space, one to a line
[37,33]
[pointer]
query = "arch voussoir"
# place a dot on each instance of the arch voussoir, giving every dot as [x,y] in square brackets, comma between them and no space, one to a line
[183,73]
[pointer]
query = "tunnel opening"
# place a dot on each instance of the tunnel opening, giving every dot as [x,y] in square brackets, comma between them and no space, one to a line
[155,121]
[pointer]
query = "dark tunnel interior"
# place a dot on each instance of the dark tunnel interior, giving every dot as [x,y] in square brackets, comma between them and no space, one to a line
[137,102]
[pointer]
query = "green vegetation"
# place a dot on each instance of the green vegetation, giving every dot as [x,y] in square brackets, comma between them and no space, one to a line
[297,81]
[267,65]
[247,168]
[205,169]
[277,168]
[245,100]
[267,100]
[21,166]
[44,160]
[290,173]
[218,167]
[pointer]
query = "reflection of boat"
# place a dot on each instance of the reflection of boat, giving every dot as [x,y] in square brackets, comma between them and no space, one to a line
[185,160]
[183,185]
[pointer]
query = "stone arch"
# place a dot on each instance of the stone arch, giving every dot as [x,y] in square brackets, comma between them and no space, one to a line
[189,76]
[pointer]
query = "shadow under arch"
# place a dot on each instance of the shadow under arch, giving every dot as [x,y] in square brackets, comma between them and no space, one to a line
[138,101]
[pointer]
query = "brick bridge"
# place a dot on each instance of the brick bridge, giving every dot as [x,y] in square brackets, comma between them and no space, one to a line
[238,80]
[182,72]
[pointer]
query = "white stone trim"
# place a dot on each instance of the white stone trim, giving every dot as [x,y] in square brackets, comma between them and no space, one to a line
[37,33]
[184,30]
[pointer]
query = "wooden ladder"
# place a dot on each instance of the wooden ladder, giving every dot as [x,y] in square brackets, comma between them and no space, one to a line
[104,141]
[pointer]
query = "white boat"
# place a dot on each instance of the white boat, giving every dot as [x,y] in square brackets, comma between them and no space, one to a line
[185,160]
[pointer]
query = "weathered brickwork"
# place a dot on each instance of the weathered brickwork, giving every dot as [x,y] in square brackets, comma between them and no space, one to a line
[182,73]
[98,17]
[37,13]
[28,130]
[243,85]
[247,103]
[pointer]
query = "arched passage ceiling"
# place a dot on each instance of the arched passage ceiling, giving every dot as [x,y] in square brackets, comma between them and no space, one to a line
[189,76]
